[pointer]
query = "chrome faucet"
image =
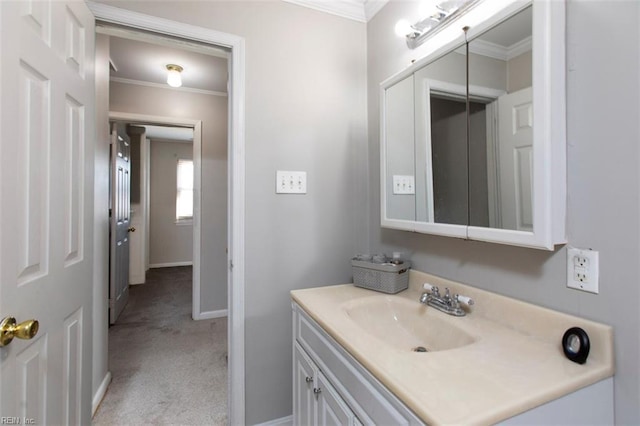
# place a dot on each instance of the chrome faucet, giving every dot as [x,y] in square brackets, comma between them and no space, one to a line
[448,304]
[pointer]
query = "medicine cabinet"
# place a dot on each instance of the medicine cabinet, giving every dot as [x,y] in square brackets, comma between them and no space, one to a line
[473,140]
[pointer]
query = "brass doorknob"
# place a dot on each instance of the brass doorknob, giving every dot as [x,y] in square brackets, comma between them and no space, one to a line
[132,229]
[10,329]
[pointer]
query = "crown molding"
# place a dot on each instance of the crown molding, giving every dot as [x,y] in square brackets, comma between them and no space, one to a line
[371,7]
[357,10]
[495,51]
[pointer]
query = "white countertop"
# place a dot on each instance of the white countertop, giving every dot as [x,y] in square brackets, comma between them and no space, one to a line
[515,363]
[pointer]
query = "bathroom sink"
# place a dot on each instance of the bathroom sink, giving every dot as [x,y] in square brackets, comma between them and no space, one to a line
[406,324]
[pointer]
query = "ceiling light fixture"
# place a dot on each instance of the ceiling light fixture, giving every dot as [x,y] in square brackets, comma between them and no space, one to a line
[174,78]
[433,15]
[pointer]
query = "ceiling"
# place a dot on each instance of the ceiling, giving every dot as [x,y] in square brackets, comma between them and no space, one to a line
[507,40]
[511,31]
[138,61]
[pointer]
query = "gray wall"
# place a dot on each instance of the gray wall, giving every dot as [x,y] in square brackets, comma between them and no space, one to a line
[212,110]
[169,242]
[603,186]
[305,110]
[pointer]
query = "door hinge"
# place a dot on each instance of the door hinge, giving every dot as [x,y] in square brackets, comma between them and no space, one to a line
[231,264]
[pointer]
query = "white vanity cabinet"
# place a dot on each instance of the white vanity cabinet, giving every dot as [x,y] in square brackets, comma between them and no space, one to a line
[316,402]
[331,388]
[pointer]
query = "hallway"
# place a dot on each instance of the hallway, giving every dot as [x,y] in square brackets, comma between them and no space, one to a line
[167,368]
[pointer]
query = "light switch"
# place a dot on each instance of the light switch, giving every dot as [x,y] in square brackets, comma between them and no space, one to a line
[403,185]
[291,182]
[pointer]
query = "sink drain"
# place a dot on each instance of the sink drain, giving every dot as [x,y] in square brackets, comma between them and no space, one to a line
[420,349]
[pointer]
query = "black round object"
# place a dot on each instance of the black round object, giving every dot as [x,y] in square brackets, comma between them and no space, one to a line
[575,344]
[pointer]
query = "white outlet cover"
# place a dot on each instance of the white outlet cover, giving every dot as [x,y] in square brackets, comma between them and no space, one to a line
[404,185]
[583,269]
[288,182]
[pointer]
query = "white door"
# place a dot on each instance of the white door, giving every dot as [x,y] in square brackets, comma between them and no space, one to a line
[47,137]
[120,221]
[515,134]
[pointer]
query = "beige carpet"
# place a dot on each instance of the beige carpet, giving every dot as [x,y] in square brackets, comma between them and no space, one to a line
[167,369]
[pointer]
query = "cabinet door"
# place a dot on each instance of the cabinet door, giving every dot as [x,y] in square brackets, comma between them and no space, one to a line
[304,375]
[332,410]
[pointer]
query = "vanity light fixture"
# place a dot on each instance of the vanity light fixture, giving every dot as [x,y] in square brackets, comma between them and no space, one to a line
[433,14]
[174,79]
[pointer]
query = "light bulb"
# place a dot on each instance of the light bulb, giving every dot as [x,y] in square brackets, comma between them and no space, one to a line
[403,28]
[174,79]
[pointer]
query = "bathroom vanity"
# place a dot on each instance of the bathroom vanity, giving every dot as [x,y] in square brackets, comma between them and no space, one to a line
[356,360]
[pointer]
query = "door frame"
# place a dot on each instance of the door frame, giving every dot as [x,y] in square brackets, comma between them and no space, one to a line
[236,179]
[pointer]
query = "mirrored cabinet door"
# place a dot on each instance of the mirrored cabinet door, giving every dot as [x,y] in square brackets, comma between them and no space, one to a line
[399,153]
[501,127]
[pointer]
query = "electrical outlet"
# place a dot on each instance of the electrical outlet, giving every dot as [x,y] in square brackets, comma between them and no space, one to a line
[582,269]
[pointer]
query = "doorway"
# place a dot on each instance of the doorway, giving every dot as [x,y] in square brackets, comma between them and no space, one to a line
[235,172]
[195,127]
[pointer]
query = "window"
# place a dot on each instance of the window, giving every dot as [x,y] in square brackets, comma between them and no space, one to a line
[184,197]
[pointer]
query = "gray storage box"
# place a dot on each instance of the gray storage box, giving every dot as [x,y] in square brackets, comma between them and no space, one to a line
[385,277]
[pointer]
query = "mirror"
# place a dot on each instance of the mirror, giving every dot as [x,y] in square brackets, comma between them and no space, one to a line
[459,145]
[501,127]
[441,139]
[400,158]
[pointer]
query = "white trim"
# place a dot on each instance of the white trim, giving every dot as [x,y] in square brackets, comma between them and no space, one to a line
[212,314]
[137,279]
[350,9]
[162,40]
[100,393]
[196,221]
[372,7]
[236,193]
[165,86]
[520,47]
[171,264]
[236,230]
[357,10]
[496,51]
[282,421]
[152,119]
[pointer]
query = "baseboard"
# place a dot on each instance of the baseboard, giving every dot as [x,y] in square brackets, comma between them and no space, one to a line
[284,421]
[100,393]
[211,314]
[170,264]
